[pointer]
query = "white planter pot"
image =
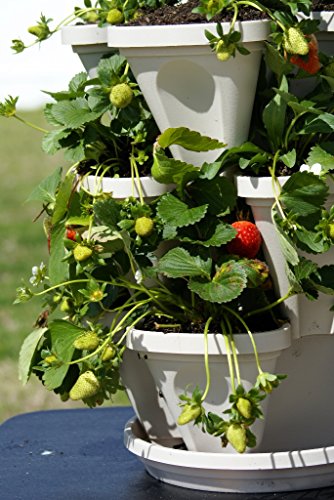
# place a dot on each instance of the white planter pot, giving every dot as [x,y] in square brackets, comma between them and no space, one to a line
[251,473]
[89,42]
[184,84]
[122,188]
[176,362]
[306,317]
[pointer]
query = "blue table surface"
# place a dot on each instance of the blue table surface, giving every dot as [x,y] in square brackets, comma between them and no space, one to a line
[79,455]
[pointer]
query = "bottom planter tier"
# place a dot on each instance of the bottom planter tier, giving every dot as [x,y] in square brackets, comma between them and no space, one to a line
[289,470]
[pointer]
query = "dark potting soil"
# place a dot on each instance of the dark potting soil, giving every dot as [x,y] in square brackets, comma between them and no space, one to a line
[182,14]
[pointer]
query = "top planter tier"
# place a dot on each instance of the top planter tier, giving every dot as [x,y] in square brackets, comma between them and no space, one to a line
[185,84]
[90,43]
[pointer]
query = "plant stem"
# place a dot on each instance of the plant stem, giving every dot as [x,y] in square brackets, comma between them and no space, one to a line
[206,360]
[270,306]
[32,125]
[234,351]
[229,356]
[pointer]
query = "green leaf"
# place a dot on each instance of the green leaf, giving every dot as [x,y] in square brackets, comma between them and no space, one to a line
[168,170]
[220,194]
[223,234]
[178,263]
[323,123]
[107,212]
[62,198]
[62,335]
[77,83]
[276,61]
[227,284]
[303,194]
[50,141]
[274,116]
[27,353]
[188,139]
[73,114]
[289,159]
[45,192]
[289,250]
[174,212]
[319,155]
[109,67]
[57,268]
[324,280]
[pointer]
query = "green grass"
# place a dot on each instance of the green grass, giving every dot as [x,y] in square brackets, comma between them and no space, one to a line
[23,244]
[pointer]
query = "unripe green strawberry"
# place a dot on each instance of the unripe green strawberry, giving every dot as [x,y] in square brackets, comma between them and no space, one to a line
[37,31]
[92,17]
[189,413]
[65,306]
[295,42]
[331,230]
[244,407]
[109,353]
[85,387]
[223,51]
[51,359]
[88,341]
[329,70]
[115,16]
[144,226]
[121,95]
[81,253]
[236,436]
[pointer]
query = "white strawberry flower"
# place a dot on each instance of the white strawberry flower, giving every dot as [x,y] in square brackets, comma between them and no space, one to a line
[315,169]
[38,274]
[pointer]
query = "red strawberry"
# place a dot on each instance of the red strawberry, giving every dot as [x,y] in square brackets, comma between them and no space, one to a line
[309,63]
[71,233]
[248,240]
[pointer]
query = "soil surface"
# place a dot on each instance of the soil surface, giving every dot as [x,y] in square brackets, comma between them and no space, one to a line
[182,14]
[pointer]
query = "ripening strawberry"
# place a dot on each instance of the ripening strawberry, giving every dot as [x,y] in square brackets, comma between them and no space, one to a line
[121,95]
[86,386]
[248,240]
[309,63]
[71,233]
[295,42]
[144,226]
[236,435]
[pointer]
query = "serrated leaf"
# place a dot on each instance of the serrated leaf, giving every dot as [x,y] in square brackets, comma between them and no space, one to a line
[77,83]
[304,269]
[223,234]
[57,268]
[324,279]
[45,192]
[73,114]
[303,194]
[168,170]
[178,263]
[50,141]
[109,67]
[323,123]
[174,212]
[27,353]
[62,335]
[227,284]
[107,212]
[188,139]
[319,155]
[220,194]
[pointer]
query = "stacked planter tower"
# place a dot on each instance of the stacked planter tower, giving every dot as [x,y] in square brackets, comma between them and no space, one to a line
[297,448]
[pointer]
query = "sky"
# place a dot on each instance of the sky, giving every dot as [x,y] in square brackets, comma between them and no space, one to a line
[48,66]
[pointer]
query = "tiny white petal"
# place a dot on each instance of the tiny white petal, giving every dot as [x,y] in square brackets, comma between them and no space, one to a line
[304,168]
[34,270]
[316,169]
[138,276]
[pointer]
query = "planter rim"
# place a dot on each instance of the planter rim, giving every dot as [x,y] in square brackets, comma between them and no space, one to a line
[179,344]
[270,461]
[122,186]
[84,34]
[180,34]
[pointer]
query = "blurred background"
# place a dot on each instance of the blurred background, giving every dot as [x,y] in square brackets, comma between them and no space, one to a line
[23,164]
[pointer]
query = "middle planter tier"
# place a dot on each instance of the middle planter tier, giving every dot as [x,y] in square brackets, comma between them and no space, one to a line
[176,362]
[184,84]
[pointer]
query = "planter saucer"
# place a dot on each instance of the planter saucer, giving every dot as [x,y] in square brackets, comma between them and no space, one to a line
[220,472]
